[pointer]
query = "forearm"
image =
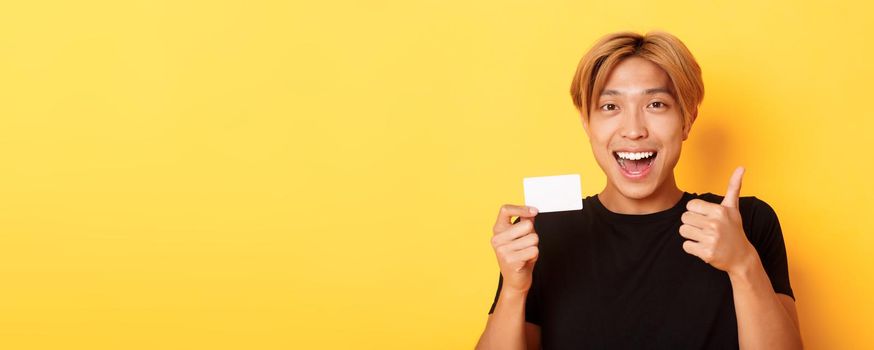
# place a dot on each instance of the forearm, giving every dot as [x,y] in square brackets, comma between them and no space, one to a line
[506,326]
[762,321]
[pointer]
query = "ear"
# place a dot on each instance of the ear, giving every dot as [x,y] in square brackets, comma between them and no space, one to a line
[688,128]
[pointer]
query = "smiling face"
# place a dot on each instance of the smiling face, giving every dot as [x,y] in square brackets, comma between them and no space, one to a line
[636,131]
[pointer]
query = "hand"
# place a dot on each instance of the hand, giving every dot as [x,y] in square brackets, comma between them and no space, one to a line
[715,231]
[516,246]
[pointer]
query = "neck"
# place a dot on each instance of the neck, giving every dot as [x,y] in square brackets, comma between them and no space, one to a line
[664,197]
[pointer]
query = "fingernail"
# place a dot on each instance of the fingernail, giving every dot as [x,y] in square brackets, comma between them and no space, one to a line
[533,210]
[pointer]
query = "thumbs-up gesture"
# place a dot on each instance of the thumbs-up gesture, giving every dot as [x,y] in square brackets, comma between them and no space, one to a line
[715,231]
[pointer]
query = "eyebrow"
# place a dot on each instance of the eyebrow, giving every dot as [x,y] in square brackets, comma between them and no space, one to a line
[645,92]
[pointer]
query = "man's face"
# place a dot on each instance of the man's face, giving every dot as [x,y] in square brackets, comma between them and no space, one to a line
[636,116]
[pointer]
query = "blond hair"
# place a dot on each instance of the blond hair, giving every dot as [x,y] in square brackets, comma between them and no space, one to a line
[663,49]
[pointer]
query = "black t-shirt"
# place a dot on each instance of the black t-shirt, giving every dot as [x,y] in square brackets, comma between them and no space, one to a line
[606,280]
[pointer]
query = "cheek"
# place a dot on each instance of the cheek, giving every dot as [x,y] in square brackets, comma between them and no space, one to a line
[600,146]
[600,152]
[672,156]
[670,133]
[600,132]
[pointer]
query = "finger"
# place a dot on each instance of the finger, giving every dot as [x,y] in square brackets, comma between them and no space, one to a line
[509,210]
[694,248]
[700,206]
[694,219]
[692,232]
[515,231]
[733,192]
[525,241]
[521,218]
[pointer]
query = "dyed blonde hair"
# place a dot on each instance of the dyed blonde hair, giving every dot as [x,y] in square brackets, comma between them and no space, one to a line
[661,48]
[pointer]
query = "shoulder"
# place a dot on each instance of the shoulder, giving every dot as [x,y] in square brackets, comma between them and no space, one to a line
[750,207]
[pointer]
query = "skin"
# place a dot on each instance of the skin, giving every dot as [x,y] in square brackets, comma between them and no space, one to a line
[637,110]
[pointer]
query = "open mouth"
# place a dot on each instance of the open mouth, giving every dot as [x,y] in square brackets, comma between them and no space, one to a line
[635,164]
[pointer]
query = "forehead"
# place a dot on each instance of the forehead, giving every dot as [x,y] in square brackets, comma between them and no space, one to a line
[635,74]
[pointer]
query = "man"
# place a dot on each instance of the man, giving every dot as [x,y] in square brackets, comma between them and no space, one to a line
[643,264]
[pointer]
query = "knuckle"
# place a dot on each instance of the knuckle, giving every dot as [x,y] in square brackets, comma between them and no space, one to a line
[499,250]
[535,251]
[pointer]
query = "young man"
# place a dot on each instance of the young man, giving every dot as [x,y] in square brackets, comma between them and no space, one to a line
[643,264]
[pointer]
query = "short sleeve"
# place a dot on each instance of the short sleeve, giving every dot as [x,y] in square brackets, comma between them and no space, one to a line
[532,300]
[768,240]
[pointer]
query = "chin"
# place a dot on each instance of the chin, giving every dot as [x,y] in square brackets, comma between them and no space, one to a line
[636,190]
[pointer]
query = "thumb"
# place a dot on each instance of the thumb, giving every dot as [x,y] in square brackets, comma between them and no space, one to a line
[733,193]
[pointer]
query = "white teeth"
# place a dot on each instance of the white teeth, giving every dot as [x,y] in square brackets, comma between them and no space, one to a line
[634,155]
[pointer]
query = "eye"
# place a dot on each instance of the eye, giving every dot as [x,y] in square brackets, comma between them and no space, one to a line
[657,104]
[609,107]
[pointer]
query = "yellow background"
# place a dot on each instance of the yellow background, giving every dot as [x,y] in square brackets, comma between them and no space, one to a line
[269,175]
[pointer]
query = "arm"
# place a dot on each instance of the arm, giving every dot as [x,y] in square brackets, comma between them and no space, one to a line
[765,320]
[506,327]
[515,246]
[716,235]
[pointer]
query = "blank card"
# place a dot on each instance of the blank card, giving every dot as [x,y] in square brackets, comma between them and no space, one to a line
[553,193]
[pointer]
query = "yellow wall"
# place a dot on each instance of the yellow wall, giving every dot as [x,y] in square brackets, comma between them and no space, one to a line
[265,175]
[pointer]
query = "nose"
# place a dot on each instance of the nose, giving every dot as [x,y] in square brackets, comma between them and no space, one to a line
[633,126]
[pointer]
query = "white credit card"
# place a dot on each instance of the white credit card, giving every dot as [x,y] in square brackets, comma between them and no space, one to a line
[553,193]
